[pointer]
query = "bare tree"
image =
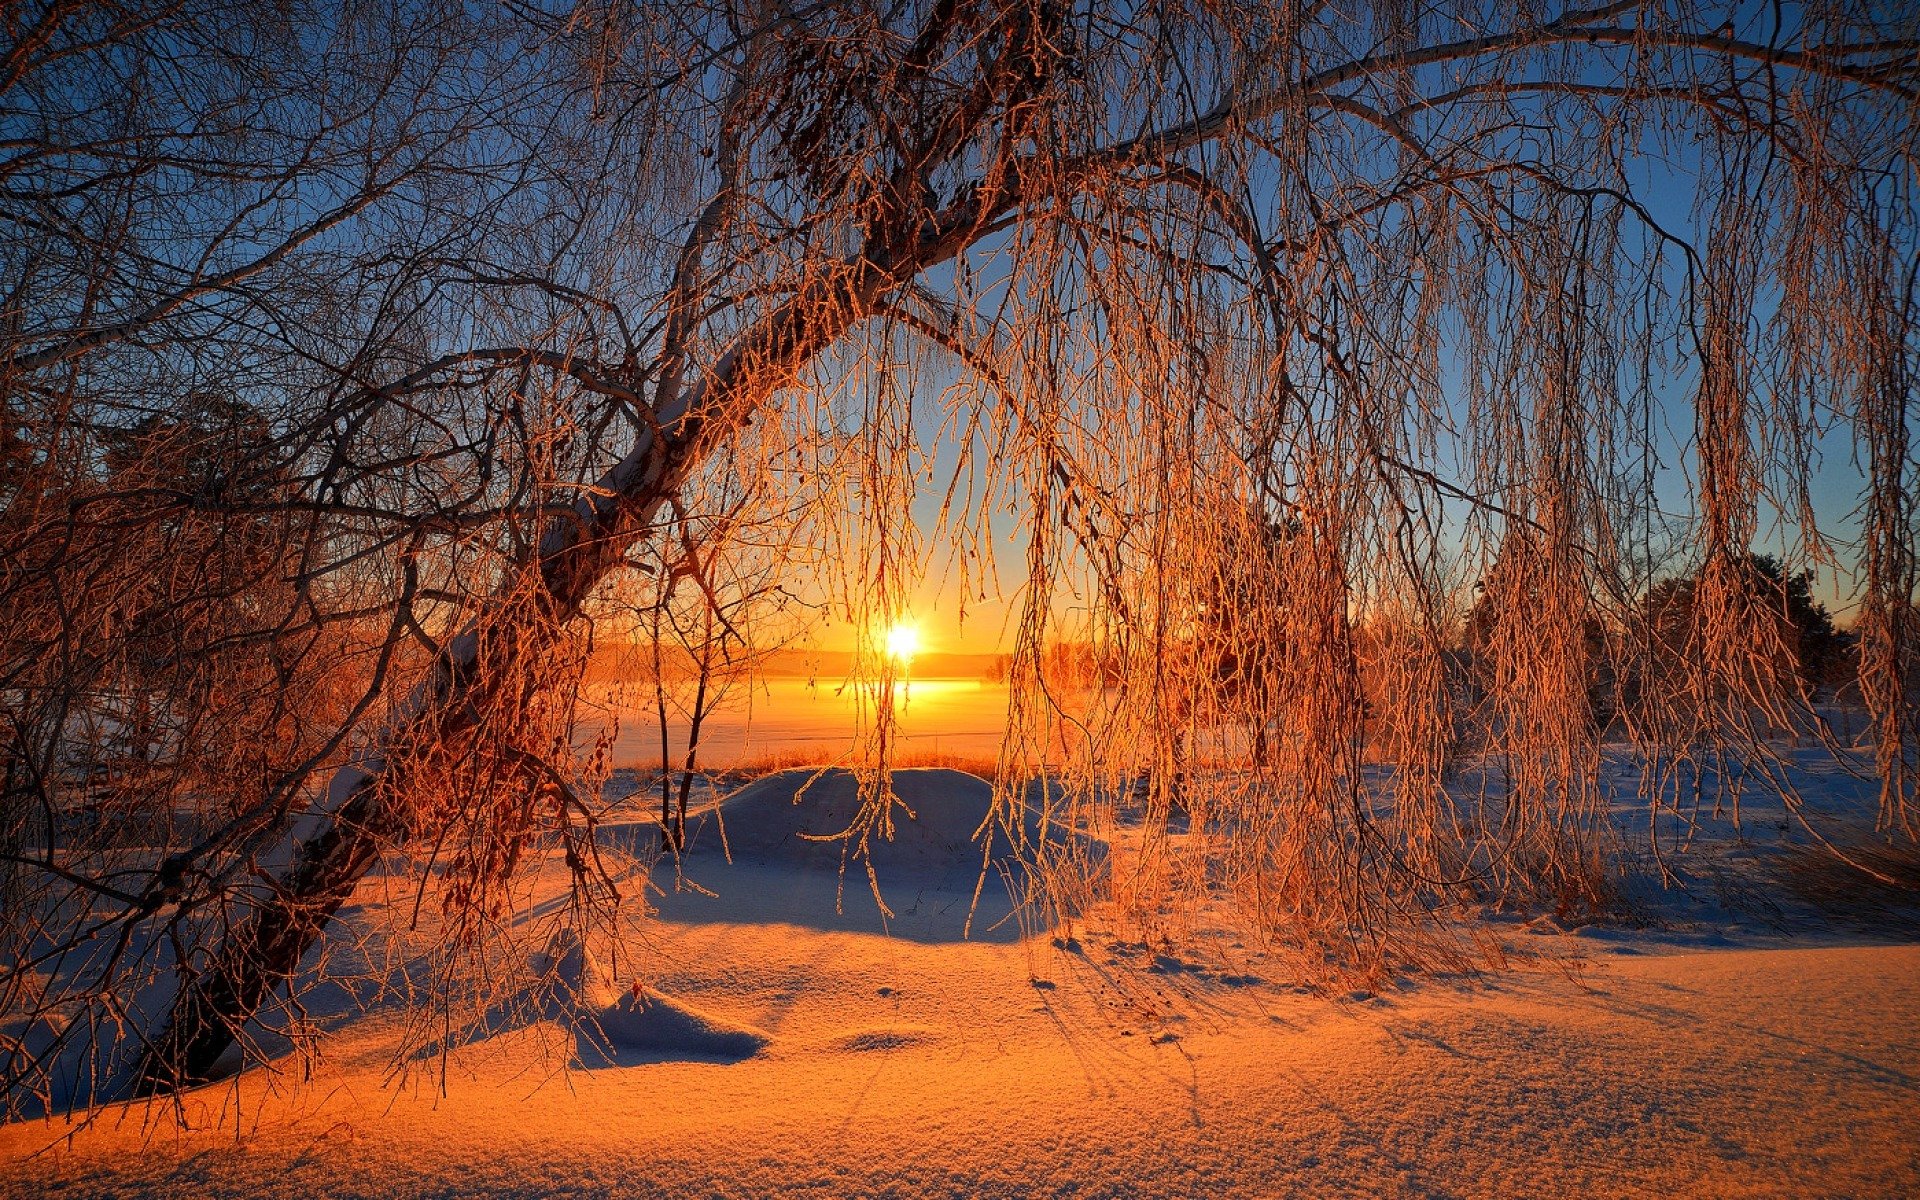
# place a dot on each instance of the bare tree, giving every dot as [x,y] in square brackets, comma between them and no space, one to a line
[506,285]
[236,528]
[712,608]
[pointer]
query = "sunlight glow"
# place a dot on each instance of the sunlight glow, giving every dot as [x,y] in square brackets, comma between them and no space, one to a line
[903,642]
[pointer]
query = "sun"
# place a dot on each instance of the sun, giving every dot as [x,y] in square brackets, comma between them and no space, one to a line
[903,642]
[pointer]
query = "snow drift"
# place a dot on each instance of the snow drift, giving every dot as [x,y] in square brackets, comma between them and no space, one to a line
[787,848]
[615,1026]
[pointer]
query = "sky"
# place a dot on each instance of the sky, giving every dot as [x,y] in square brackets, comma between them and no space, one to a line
[1663,179]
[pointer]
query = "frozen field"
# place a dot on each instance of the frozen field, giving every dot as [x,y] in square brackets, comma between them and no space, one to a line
[1754,1031]
[786,716]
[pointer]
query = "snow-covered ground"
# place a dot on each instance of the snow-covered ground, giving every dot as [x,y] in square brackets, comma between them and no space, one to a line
[1755,1031]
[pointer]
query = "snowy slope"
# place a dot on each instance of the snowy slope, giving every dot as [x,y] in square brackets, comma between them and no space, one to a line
[1680,1059]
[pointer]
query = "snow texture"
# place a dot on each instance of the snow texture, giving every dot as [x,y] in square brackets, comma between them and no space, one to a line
[613,1025]
[1736,1039]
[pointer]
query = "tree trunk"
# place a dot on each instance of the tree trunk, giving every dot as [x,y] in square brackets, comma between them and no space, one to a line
[579,550]
[265,952]
[291,910]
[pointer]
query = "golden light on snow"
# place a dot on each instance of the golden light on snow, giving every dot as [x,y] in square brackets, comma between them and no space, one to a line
[903,642]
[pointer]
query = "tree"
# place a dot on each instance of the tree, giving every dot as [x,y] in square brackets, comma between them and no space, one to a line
[1236,621]
[1808,639]
[507,283]
[713,610]
[215,208]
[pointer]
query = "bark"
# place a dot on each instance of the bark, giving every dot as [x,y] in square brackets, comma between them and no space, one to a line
[289,915]
[266,952]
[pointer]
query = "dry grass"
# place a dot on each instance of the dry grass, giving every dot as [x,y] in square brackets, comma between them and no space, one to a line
[1874,888]
[810,758]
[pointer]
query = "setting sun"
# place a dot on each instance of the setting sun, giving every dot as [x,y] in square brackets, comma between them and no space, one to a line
[903,642]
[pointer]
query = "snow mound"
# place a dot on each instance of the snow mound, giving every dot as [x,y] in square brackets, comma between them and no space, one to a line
[788,849]
[939,818]
[572,973]
[616,1026]
[643,1022]
[881,1038]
